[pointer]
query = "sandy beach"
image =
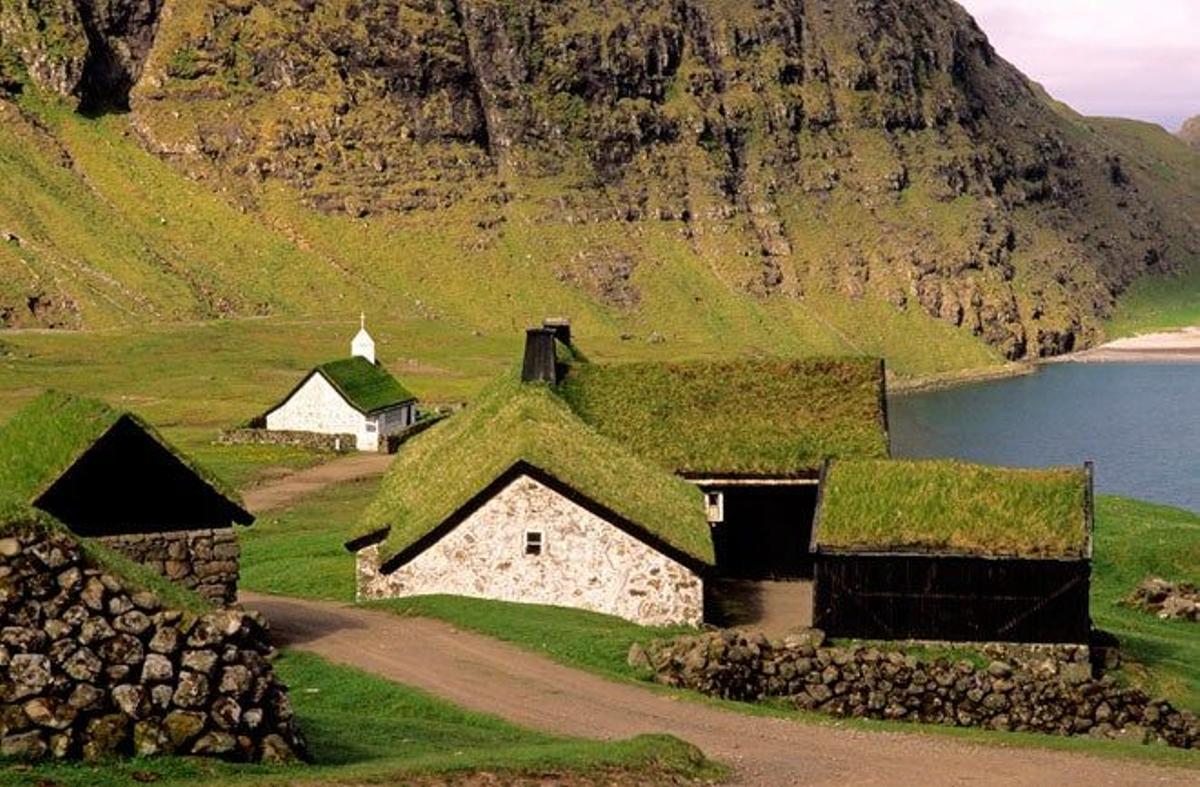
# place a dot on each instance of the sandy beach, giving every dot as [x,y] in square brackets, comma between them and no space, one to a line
[1181,346]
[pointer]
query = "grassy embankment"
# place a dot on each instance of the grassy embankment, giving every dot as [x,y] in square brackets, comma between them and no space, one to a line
[1133,540]
[363,729]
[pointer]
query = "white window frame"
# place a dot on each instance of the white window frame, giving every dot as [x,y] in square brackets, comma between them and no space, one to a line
[535,543]
[714,505]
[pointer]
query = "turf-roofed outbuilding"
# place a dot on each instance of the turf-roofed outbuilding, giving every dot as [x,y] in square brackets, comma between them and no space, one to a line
[109,475]
[751,434]
[518,499]
[945,550]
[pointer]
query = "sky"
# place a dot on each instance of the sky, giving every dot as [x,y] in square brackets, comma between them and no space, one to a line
[1128,58]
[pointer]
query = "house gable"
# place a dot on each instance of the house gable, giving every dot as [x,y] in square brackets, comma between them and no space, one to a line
[488,494]
[529,538]
[127,482]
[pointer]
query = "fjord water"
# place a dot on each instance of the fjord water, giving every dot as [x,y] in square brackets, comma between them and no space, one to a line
[1140,424]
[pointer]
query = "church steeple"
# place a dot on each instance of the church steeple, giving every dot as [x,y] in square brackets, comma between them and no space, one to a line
[363,345]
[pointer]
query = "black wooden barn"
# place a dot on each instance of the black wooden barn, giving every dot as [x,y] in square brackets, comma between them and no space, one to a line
[910,593]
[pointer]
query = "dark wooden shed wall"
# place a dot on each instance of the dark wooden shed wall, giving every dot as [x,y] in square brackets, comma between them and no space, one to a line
[940,597]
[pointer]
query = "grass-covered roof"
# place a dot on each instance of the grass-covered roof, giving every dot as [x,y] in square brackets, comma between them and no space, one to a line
[954,507]
[765,417]
[442,470]
[50,434]
[368,387]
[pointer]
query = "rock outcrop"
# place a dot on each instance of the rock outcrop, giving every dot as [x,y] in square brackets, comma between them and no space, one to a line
[91,50]
[1168,600]
[1190,133]
[93,668]
[1048,689]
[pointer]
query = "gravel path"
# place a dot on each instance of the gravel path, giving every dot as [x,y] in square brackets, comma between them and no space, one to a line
[486,675]
[280,492]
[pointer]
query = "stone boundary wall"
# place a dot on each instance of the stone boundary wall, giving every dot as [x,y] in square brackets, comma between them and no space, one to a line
[1050,689]
[336,443]
[92,669]
[205,561]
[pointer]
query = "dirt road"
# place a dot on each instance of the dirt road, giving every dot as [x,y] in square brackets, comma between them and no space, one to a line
[482,674]
[279,492]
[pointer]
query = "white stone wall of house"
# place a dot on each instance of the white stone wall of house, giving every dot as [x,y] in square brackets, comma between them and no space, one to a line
[318,407]
[584,562]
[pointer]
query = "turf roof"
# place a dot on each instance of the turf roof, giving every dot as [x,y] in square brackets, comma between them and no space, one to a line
[440,471]
[368,387]
[761,417]
[50,434]
[954,507]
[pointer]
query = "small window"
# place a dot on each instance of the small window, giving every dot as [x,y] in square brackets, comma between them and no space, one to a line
[533,542]
[714,502]
[371,427]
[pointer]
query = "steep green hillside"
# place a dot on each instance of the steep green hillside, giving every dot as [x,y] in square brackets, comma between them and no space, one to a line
[806,177]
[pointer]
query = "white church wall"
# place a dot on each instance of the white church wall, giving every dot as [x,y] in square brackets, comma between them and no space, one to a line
[584,562]
[318,407]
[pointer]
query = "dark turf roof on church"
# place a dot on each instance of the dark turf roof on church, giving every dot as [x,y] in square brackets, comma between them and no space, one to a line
[366,386]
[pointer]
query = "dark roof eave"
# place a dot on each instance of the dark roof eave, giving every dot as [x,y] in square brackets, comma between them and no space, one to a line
[368,539]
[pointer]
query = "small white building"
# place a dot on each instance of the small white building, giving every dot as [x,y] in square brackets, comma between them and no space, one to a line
[354,396]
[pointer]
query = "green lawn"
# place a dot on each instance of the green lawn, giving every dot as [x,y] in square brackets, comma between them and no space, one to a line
[1135,540]
[299,551]
[404,732]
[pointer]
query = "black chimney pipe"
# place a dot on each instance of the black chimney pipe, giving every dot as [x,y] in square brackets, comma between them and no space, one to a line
[541,361]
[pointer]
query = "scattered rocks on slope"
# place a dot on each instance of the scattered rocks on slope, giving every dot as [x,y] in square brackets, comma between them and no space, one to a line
[1168,600]
[91,668]
[1048,689]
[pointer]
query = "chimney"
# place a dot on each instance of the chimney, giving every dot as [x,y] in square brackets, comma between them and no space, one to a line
[561,327]
[541,360]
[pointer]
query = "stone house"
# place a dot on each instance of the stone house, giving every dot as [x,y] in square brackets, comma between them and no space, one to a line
[516,499]
[354,397]
[110,476]
[740,491]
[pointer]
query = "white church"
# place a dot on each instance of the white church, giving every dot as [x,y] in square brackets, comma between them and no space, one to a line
[353,396]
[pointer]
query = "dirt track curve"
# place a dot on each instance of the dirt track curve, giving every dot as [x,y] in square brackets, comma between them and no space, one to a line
[485,675]
[279,492]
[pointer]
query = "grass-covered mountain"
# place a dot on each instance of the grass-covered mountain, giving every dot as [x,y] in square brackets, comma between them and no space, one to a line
[800,175]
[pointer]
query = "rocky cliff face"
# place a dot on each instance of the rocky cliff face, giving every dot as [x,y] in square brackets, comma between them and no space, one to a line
[92,50]
[1190,133]
[867,148]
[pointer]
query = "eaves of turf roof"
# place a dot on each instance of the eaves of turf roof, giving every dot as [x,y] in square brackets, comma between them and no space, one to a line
[51,433]
[948,507]
[514,424]
[367,387]
[780,417]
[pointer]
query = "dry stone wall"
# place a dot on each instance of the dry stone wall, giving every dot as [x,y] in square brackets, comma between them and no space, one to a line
[585,562]
[1048,689]
[91,668]
[338,443]
[205,561]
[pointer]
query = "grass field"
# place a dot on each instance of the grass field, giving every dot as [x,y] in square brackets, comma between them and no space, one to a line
[404,734]
[300,552]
